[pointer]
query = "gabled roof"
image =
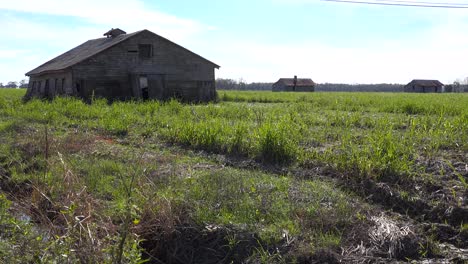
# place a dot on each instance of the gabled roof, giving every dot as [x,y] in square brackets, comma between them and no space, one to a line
[91,48]
[300,82]
[426,83]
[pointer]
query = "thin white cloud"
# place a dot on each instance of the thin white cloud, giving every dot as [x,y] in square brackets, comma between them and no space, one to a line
[44,34]
[130,15]
[397,63]
[11,53]
[14,63]
[439,51]
[91,18]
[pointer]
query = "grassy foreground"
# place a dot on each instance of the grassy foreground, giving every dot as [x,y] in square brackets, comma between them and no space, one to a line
[233,181]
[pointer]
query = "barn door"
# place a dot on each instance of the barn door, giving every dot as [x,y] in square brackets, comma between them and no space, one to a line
[134,82]
[156,86]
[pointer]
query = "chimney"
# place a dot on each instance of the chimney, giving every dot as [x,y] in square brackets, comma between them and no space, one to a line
[114,32]
[295,82]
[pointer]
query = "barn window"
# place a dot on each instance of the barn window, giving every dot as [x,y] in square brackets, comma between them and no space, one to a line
[145,50]
[63,86]
[33,85]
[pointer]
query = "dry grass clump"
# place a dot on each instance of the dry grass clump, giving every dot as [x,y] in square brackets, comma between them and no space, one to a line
[392,239]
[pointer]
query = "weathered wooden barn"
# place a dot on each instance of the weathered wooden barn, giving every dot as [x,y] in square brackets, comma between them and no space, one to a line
[122,66]
[293,85]
[424,86]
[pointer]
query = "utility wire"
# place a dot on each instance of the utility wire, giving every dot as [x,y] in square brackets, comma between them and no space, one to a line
[402,3]
[421,2]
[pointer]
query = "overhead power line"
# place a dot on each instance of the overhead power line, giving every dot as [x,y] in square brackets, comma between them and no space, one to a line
[403,3]
[420,2]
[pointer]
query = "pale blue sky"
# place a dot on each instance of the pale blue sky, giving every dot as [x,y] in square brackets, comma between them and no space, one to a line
[256,40]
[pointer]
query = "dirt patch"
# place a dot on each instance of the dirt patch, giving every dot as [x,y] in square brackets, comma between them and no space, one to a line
[447,234]
[103,139]
[321,256]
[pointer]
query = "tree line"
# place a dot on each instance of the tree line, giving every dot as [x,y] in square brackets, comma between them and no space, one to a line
[339,87]
[230,84]
[12,84]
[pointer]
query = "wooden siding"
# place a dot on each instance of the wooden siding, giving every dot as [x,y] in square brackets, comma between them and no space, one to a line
[59,83]
[414,88]
[279,87]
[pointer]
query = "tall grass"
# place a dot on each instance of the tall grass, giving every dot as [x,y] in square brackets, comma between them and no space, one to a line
[367,133]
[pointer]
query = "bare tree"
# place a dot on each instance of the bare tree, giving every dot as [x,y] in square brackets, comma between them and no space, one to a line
[23,84]
[459,85]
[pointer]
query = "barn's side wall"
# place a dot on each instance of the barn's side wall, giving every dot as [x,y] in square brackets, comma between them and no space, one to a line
[415,88]
[305,88]
[115,72]
[50,85]
[277,87]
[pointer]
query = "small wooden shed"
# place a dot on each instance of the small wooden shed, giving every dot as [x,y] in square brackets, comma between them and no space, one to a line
[122,66]
[424,86]
[294,85]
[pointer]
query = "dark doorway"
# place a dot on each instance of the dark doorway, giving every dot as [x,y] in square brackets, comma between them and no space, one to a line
[78,87]
[144,93]
[62,87]
[46,89]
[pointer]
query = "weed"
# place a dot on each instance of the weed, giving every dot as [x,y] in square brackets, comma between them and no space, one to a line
[276,144]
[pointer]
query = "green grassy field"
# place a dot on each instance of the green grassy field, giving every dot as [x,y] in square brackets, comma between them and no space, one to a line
[256,177]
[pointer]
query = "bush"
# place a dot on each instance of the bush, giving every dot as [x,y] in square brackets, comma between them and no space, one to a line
[276,144]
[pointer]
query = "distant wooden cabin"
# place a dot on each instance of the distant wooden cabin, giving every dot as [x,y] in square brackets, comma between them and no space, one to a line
[122,66]
[424,86]
[293,85]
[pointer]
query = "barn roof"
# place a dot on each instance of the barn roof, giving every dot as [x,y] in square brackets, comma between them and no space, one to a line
[426,83]
[91,48]
[300,82]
